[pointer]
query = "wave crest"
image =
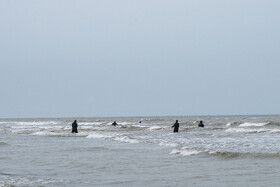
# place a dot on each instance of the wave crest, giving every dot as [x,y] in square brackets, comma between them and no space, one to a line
[253,124]
[185,152]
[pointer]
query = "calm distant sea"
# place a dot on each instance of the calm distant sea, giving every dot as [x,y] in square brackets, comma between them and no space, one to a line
[228,151]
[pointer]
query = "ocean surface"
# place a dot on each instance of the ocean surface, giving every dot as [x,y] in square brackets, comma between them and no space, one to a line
[228,151]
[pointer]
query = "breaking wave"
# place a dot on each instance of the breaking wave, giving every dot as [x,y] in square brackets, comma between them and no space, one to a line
[254,130]
[97,135]
[253,124]
[155,128]
[126,139]
[228,154]
[185,152]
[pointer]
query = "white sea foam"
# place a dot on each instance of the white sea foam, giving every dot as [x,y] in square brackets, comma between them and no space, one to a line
[231,123]
[12,181]
[155,128]
[58,133]
[33,127]
[21,127]
[228,124]
[126,139]
[243,130]
[189,152]
[87,123]
[53,127]
[210,151]
[252,124]
[34,123]
[125,123]
[41,133]
[86,127]
[97,135]
[49,133]
[92,124]
[275,131]
[185,152]
[186,147]
[175,151]
[138,126]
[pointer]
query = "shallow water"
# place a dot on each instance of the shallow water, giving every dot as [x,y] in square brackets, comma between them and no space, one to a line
[228,151]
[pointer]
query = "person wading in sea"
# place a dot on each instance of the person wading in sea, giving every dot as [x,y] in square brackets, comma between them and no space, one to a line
[176,126]
[74,127]
[201,124]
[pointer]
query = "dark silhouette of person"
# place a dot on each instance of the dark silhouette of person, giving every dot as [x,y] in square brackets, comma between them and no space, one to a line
[201,124]
[75,127]
[176,126]
[115,123]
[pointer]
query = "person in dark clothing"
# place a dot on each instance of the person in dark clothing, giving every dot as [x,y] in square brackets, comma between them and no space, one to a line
[115,123]
[74,127]
[201,124]
[176,126]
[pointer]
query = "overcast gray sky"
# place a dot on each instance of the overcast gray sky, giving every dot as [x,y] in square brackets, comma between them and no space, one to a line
[95,58]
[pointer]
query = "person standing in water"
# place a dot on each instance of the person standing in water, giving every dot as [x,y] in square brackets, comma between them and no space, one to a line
[201,124]
[74,127]
[176,126]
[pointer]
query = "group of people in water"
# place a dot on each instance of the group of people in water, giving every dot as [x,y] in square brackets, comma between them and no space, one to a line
[175,126]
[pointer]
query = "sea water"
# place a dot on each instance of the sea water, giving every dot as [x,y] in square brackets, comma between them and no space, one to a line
[228,151]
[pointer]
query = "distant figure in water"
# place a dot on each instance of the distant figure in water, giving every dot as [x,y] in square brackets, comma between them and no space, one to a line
[176,126]
[74,127]
[201,124]
[115,123]
[140,122]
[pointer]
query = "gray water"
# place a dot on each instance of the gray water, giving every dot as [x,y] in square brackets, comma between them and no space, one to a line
[228,151]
